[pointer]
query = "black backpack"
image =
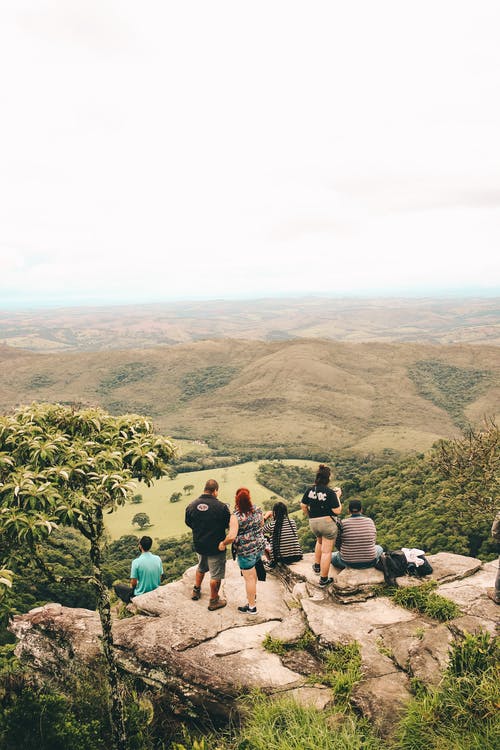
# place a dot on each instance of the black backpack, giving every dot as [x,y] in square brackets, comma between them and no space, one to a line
[394,564]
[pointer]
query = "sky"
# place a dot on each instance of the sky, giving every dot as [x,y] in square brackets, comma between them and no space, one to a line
[161,150]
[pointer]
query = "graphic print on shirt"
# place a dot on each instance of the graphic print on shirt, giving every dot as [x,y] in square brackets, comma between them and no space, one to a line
[202,506]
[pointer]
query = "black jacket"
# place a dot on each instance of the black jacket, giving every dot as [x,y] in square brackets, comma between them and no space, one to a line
[209,518]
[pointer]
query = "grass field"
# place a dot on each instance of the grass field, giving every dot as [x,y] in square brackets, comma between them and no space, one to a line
[167,519]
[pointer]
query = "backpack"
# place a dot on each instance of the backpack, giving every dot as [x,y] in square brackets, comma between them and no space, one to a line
[392,565]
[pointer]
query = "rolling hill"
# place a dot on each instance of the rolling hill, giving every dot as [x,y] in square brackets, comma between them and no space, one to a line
[300,394]
[439,321]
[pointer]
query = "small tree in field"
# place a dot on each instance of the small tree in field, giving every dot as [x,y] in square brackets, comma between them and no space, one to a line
[188,488]
[141,519]
[175,497]
[65,467]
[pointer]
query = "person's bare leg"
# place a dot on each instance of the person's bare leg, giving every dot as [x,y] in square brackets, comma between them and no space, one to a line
[317,551]
[198,579]
[250,577]
[326,556]
[214,588]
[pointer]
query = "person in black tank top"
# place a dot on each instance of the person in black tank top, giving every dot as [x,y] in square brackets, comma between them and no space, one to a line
[320,504]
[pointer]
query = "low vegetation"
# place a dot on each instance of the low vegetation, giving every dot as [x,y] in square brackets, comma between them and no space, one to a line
[462,711]
[423,598]
[449,387]
[198,382]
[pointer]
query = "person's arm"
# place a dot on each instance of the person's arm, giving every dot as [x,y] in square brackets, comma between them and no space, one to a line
[231,534]
[304,505]
[337,511]
[133,574]
[267,514]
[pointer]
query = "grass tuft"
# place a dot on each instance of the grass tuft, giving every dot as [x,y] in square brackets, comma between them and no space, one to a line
[422,598]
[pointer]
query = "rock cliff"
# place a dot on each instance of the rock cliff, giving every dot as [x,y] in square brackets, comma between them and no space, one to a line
[204,660]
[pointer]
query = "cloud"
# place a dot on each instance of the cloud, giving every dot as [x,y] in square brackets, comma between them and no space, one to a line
[173,148]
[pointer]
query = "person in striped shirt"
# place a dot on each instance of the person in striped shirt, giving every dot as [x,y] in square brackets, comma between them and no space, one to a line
[357,547]
[282,532]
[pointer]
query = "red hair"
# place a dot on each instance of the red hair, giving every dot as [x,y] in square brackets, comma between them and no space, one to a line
[243,502]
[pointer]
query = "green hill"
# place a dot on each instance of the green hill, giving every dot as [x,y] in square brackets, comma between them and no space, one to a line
[301,394]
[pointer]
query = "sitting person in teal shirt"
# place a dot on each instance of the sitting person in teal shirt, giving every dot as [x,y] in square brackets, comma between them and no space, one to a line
[145,573]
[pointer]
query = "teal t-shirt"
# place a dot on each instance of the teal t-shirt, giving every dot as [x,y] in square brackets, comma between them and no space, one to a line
[147,568]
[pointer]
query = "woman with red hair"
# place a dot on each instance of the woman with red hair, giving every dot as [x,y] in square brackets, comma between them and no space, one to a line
[248,545]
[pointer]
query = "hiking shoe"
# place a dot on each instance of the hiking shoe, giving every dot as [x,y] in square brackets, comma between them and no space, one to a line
[216,604]
[248,610]
[325,582]
[196,593]
[316,568]
[492,594]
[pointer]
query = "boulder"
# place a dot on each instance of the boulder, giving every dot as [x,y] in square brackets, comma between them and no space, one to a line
[450,567]
[204,660]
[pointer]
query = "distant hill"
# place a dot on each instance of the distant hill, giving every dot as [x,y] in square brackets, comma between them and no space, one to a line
[439,321]
[300,394]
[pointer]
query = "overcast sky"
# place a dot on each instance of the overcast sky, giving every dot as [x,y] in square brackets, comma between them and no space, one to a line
[161,150]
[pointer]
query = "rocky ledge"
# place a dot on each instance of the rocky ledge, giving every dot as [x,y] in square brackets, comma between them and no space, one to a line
[204,660]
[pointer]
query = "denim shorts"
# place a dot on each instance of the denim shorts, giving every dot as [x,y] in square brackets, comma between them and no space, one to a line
[248,562]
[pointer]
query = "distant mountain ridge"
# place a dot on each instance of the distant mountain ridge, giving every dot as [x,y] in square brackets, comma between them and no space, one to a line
[300,394]
[440,321]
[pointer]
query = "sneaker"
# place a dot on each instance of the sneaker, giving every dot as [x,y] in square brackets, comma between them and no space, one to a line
[196,593]
[248,610]
[492,594]
[216,604]
[316,568]
[325,582]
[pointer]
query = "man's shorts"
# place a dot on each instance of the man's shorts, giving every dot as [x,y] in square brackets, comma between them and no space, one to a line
[216,564]
[248,562]
[324,527]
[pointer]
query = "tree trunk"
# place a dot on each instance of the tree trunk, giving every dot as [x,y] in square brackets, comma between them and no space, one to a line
[104,609]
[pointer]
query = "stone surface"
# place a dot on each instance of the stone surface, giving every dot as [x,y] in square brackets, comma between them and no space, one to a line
[470,593]
[349,581]
[382,700]
[317,697]
[204,660]
[449,567]
[291,628]
[355,622]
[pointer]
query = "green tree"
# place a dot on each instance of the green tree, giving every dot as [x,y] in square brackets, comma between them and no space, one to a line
[137,499]
[471,471]
[63,466]
[175,497]
[188,488]
[141,519]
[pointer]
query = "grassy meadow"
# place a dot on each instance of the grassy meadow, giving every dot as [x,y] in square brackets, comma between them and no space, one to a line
[167,519]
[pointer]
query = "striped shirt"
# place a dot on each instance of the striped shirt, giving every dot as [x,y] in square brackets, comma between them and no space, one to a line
[358,539]
[289,543]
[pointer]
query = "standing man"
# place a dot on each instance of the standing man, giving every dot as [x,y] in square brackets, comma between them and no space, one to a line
[145,573]
[209,518]
[357,544]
